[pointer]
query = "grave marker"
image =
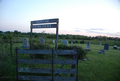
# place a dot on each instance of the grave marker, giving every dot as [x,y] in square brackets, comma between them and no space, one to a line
[115,47]
[101,51]
[100,43]
[65,42]
[25,43]
[53,41]
[42,41]
[71,42]
[88,46]
[106,46]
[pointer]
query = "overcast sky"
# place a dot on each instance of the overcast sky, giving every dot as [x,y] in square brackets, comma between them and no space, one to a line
[82,17]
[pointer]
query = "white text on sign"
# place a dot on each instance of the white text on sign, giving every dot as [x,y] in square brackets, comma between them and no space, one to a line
[42,26]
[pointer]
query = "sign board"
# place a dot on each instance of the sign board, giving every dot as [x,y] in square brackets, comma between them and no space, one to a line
[45,26]
[47,23]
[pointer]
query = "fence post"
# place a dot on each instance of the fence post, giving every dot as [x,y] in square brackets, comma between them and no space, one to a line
[52,64]
[16,64]
[77,66]
[73,66]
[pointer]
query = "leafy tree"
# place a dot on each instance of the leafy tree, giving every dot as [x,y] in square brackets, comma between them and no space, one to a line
[36,35]
[5,38]
[16,32]
[1,32]
[7,32]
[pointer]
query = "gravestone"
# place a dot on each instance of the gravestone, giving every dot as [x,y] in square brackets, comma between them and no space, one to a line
[106,46]
[71,42]
[42,41]
[88,46]
[84,59]
[65,42]
[25,43]
[100,43]
[101,51]
[115,47]
[53,41]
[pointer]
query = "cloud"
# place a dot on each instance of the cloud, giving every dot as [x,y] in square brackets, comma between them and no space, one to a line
[77,30]
[101,31]
[96,29]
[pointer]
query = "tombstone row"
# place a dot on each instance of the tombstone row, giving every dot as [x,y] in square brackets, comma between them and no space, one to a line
[65,42]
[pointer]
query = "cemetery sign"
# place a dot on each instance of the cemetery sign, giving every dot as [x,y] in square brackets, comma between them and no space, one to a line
[48,23]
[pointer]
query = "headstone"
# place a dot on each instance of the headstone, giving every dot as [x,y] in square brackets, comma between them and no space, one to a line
[65,42]
[25,43]
[101,51]
[115,47]
[71,42]
[42,41]
[53,41]
[106,46]
[84,59]
[100,43]
[88,46]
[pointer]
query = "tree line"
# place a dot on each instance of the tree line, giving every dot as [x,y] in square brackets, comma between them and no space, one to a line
[60,36]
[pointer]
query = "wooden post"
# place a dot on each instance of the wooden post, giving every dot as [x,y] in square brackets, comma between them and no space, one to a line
[52,64]
[73,66]
[11,47]
[77,66]
[31,36]
[16,64]
[56,44]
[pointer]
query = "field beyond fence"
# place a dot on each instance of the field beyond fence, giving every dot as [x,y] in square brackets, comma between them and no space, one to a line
[98,67]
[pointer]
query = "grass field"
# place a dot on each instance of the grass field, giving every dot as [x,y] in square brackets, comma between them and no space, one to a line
[98,67]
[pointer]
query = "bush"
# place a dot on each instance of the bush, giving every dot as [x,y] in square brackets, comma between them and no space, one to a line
[49,42]
[70,42]
[81,52]
[76,42]
[40,46]
[82,42]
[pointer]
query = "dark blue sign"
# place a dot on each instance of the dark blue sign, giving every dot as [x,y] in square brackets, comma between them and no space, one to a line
[106,46]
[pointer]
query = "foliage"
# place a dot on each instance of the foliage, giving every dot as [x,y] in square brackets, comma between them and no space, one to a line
[40,46]
[5,38]
[49,42]
[70,42]
[82,42]
[7,69]
[81,52]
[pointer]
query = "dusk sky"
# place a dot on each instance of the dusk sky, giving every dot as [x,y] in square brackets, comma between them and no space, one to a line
[81,17]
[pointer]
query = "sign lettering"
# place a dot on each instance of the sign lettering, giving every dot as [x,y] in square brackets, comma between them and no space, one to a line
[45,26]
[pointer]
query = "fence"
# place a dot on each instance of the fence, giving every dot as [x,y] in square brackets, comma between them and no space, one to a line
[54,71]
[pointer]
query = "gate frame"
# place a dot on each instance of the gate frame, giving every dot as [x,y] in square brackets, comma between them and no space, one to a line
[60,52]
[46,24]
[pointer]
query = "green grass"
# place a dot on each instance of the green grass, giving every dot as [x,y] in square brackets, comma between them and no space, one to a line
[98,67]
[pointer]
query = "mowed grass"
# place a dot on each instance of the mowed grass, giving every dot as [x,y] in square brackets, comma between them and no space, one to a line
[100,67]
